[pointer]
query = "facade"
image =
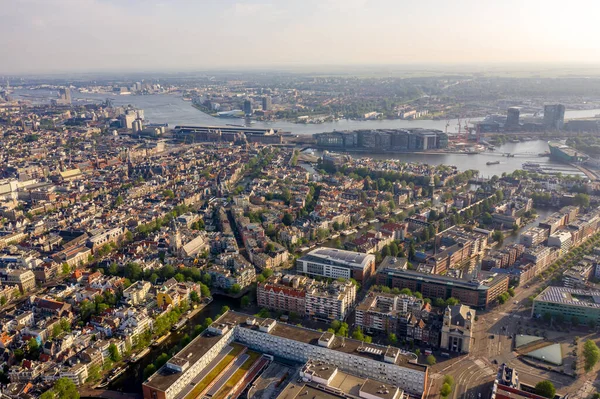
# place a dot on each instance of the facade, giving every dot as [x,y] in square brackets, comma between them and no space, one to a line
[384,140]
[568,303]
[534,236]
[330,301]
[336,263]
[289,342]
[476,293]
[306,297]
[512,118]
[283,293]
[24,279]
[382,312]
[457,330]
[554,116]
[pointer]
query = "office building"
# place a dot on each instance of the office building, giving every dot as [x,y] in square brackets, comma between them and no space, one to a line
[248,107]
[569,304]
[554,116]
[387,364]
[266,103]
[512,118]
[336,263]
[478,293]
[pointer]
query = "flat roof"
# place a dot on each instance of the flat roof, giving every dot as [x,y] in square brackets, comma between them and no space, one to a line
[309,336]
[487,281]
[165,377]
[570,296]
[353,259]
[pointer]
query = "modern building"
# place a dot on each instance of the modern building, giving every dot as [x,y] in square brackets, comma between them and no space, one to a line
[564,153]
[186,133]
[554,116]
[387,364]
[384,140]
[336,263]
[248,107]
[266,103]
[478,293]
[569,304]
[512,118]
[533,236]
[457,330]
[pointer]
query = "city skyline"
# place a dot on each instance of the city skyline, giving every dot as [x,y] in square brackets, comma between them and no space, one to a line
[106,35]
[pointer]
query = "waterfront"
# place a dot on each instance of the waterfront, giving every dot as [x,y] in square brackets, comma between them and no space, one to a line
[131,381]
[172,109]
[523,152]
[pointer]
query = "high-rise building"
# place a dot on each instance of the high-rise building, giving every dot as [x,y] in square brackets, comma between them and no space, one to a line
[512,118]
[248,107]
[554,116]
[266,103]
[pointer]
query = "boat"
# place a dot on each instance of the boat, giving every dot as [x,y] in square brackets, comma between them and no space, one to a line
[530,165]
[492,163]
[160,340]
[333,237]
[179,324]
[349,232]
[140,355]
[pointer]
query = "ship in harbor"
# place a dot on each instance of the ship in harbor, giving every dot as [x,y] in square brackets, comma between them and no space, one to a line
[492,163]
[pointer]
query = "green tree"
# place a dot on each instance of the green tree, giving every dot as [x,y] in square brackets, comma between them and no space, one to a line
[236,288]
[448,379]
[114,353]
[204,291]
[288,219]
[392,338]
[3,300]
[546,389]
[94,373]
[224,309]
[64,388]
[591,354]
[431,360]
[194,297]
[582,200]
[149,370]
[66,269]
[245,302]
[445,390]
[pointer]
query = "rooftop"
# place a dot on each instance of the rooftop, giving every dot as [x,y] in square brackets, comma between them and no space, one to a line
[331,255]
[570,296]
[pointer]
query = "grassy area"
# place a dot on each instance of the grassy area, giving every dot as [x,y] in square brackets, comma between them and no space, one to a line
[237,349]
[238,375]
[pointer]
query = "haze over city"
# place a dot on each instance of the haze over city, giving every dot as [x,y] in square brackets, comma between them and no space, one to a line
[99,35]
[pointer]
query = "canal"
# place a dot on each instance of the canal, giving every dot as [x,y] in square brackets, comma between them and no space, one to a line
[131,381]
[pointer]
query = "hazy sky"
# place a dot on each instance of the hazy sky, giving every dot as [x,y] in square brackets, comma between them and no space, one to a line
[95,35]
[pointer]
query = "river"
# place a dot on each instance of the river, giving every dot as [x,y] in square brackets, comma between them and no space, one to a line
[171,109]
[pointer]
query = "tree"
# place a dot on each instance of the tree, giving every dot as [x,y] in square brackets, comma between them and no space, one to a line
[113,353]
[94,373]
[194,297]
[245,302]
[448,379]
[149,370]
[499,236]
[511,291]
[431,360]
[224,309]
[66,269]
[582,200]
[32,345]
[204,291]
[179,277]
[236,288]
[64,388]
[288,219]
[546,389]
[591,354]
[392,338]
[452,302]
[3,300]
[445,390]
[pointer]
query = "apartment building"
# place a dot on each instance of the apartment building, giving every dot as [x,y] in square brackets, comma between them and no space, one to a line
[336,263]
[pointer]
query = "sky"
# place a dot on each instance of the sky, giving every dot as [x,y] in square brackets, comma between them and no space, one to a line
[57,36]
